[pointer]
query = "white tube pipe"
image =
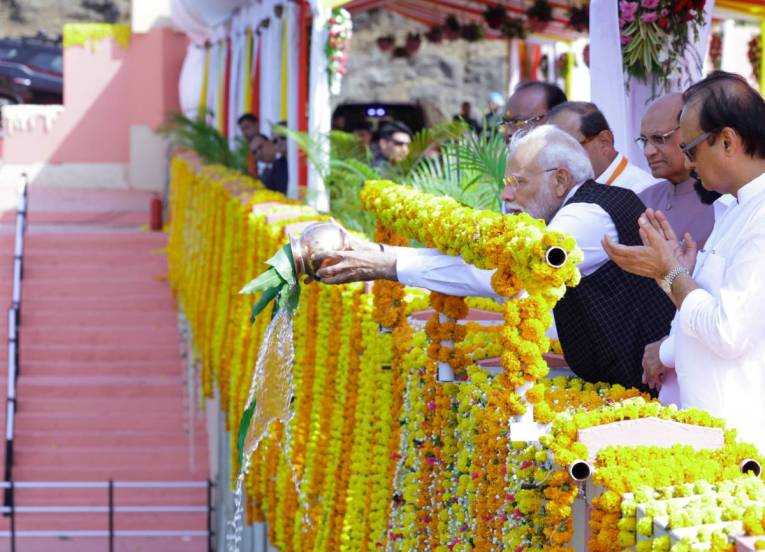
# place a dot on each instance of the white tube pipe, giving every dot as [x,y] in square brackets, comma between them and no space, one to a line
[556,256]
[750,465]
[580,470]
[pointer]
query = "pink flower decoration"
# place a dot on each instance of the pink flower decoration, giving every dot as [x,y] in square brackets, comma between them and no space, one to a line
[628,10]
[432,405]
[648,17]
[650,4]
[664,12]
[475,475]
[626,39]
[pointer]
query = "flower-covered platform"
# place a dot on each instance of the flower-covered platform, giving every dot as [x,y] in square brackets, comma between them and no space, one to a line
[400,439]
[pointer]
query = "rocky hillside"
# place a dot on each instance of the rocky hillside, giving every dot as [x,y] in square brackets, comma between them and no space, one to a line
[440,76]
[28,17]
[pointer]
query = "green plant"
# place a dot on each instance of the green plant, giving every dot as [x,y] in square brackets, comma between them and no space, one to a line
[445,160]
[471,169]
[211,146]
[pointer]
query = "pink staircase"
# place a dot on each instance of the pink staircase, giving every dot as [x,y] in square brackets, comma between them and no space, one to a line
[102,390]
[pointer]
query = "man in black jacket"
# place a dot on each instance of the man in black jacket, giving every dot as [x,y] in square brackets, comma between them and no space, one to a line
[606,321]
[275,176]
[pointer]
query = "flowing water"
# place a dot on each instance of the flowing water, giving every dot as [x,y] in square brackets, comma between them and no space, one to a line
[271,389]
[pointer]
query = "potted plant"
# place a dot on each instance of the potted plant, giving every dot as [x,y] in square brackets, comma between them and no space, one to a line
[386,43]
[400,52]
[579,18]
[472,32]
[452,28]
[539,14]
[413,42]
[513,27]
[435,34]
[495,16]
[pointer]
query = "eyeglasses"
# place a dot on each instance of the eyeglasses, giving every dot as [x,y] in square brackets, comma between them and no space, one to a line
[518,123]
[513,181]
[689,149]
[655,139]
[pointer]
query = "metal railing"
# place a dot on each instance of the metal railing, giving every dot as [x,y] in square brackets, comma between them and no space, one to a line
[14,321]
[10,487]
[12,510]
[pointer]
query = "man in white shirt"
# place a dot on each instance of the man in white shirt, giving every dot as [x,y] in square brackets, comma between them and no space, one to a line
[716,344]
[606,321]
[587,124]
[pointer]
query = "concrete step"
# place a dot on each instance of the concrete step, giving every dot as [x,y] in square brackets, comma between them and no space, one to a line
[32,352]
[116,304]
[124,438]
[101,473]
[112,458]
[93,544]
[98,368]
[104,421]
[106,319]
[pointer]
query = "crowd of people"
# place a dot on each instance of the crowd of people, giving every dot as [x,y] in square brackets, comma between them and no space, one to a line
[671,276]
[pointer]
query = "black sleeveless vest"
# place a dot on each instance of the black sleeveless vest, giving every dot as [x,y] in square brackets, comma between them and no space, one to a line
[606,321]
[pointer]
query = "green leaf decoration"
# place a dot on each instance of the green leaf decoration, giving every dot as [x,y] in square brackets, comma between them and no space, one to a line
[278,282]
[244,426]
[269,278]
[264,300]
[284,265]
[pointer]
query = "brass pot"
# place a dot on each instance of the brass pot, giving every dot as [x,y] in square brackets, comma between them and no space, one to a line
[316,239]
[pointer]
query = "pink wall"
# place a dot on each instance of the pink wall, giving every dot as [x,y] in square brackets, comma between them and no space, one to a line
[106,91]
[154,67]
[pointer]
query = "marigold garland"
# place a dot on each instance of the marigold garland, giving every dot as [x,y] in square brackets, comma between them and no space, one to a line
[379,455]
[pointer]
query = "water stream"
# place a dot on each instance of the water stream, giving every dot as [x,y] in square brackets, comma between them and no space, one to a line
[271,389]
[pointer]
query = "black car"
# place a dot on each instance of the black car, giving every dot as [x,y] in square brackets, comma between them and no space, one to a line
[31,71]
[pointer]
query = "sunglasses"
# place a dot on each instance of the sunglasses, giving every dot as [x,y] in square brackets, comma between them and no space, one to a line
[655,139]
[689,149]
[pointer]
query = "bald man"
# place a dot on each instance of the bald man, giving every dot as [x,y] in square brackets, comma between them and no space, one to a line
[687,205]
[529,105]
[587,124]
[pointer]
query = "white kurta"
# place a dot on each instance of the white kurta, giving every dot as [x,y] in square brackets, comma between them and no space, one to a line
[718,335]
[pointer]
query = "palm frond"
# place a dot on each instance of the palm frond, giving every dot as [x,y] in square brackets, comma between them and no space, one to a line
[211,146]
[316,148]
[470,169]
[485,154]
[428,139]
[346,145]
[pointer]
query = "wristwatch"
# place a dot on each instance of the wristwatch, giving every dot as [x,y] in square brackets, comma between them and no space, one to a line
[666,283]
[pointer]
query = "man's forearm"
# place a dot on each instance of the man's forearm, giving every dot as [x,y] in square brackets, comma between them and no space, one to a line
[681,287]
